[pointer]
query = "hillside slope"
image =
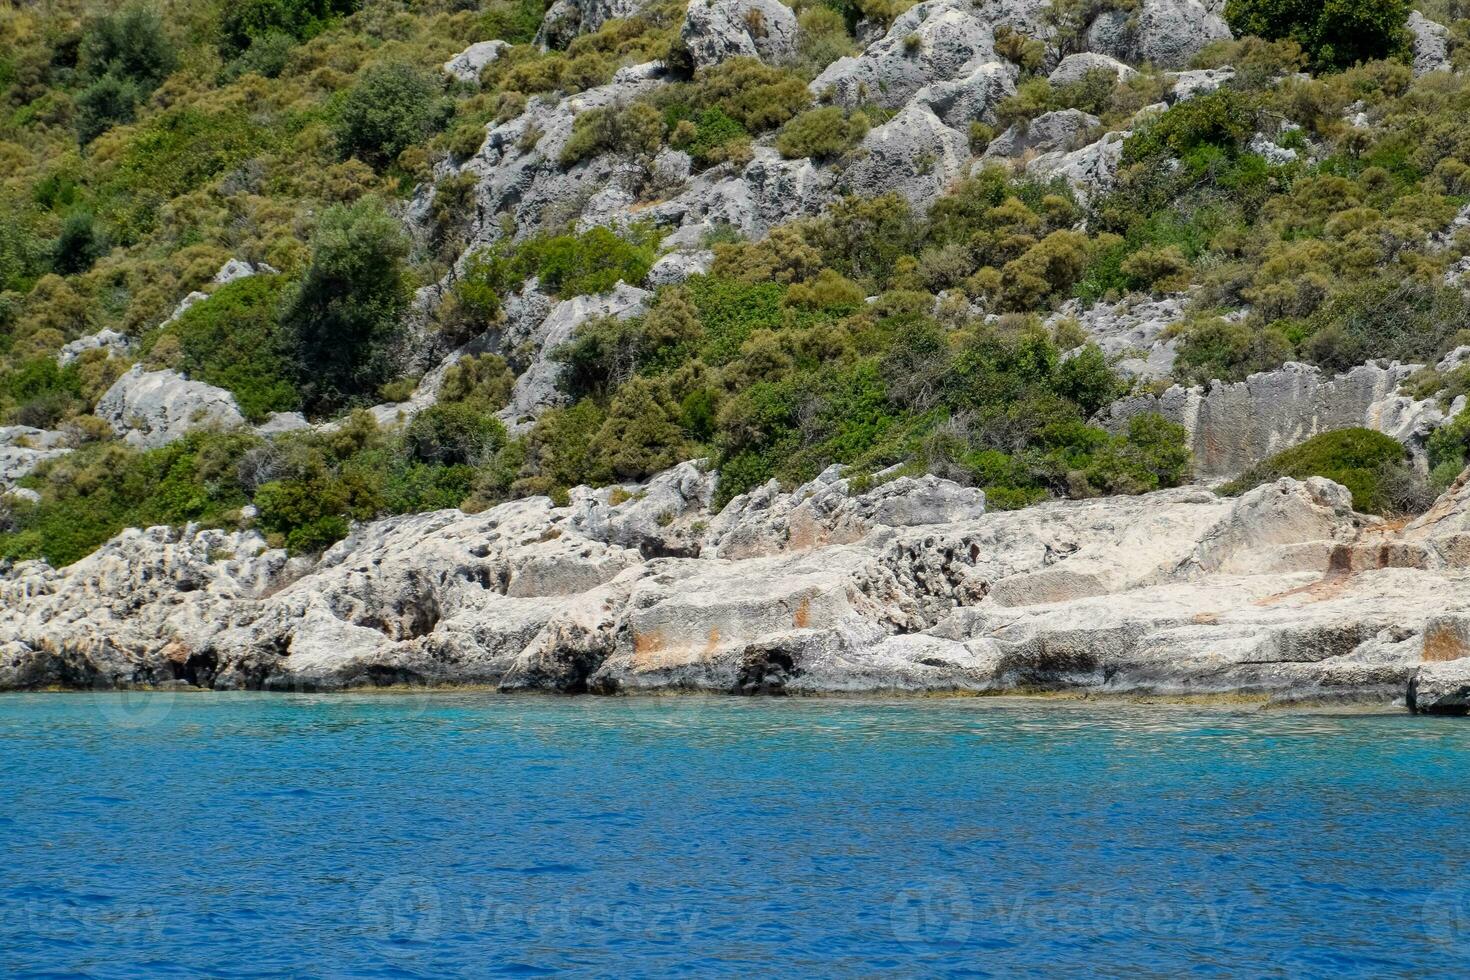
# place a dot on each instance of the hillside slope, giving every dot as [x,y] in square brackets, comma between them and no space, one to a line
[286,269]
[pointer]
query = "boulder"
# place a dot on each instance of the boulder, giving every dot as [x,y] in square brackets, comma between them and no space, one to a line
[1431,45]
[969,99]
[1131,331]
[913,153]
[153,408]
[1076,67]
[932,42]
[567,19]
[1061,131]
[1090,170]
[467,65]
[23,448]
[1188,84]
[677,266]
[717,30]
[1441,689]
[1165,33]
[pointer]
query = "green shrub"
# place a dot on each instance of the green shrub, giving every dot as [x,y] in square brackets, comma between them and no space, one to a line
[341,321]
[1336,34]
[233,340]
[821,133]
[80,244]
[95,492]
[105,103]
[514,21]
[453,434]
[639,437]
[709,137]
[757,96]
[1375,467]
[131,44]
[1388,317]
[245,23]
[635,129]
[589,263]
[484,382]
[392,107]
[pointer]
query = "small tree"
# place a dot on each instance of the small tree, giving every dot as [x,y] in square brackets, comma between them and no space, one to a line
[343,319]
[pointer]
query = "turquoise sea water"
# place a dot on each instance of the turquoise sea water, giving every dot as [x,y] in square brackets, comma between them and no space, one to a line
[475,834]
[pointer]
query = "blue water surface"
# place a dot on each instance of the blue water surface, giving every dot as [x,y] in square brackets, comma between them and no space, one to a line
[475,834]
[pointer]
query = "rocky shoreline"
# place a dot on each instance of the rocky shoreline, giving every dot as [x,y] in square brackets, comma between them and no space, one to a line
[1284,595]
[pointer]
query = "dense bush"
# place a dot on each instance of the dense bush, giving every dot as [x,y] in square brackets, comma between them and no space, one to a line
[341,322]
[246,23]
[821,133]
[392,107]
[123,57]
[80,244]
[233,340]
[636,128]
[1375,467]
[100,489]
[1336,34]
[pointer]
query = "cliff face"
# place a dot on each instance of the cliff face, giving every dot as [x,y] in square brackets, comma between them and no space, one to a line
[909,587]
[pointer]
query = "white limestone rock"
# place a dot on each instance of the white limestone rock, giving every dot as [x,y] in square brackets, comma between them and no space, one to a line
[114,343]
[933,42]
[1061,131]
[1076,67]
[676,267]
[913,154]
[24,447]
[1234,426]
[153,408]
[536,389]
[1166,33]
[1090,170]
[971,98]
[717,30]
[1431,45]
[467,65]
[1203,81]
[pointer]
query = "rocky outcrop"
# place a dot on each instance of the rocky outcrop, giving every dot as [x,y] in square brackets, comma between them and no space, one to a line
[971,98]
[913,154]
[717,30]
[467,65]
[1431,44]
[110,341]
[1165,33]
[153,408]
[1064,131]
[536,388]
[931,42]
[910,586]
[1076,67]
[1090,170]
[23,448]
[1234,426]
